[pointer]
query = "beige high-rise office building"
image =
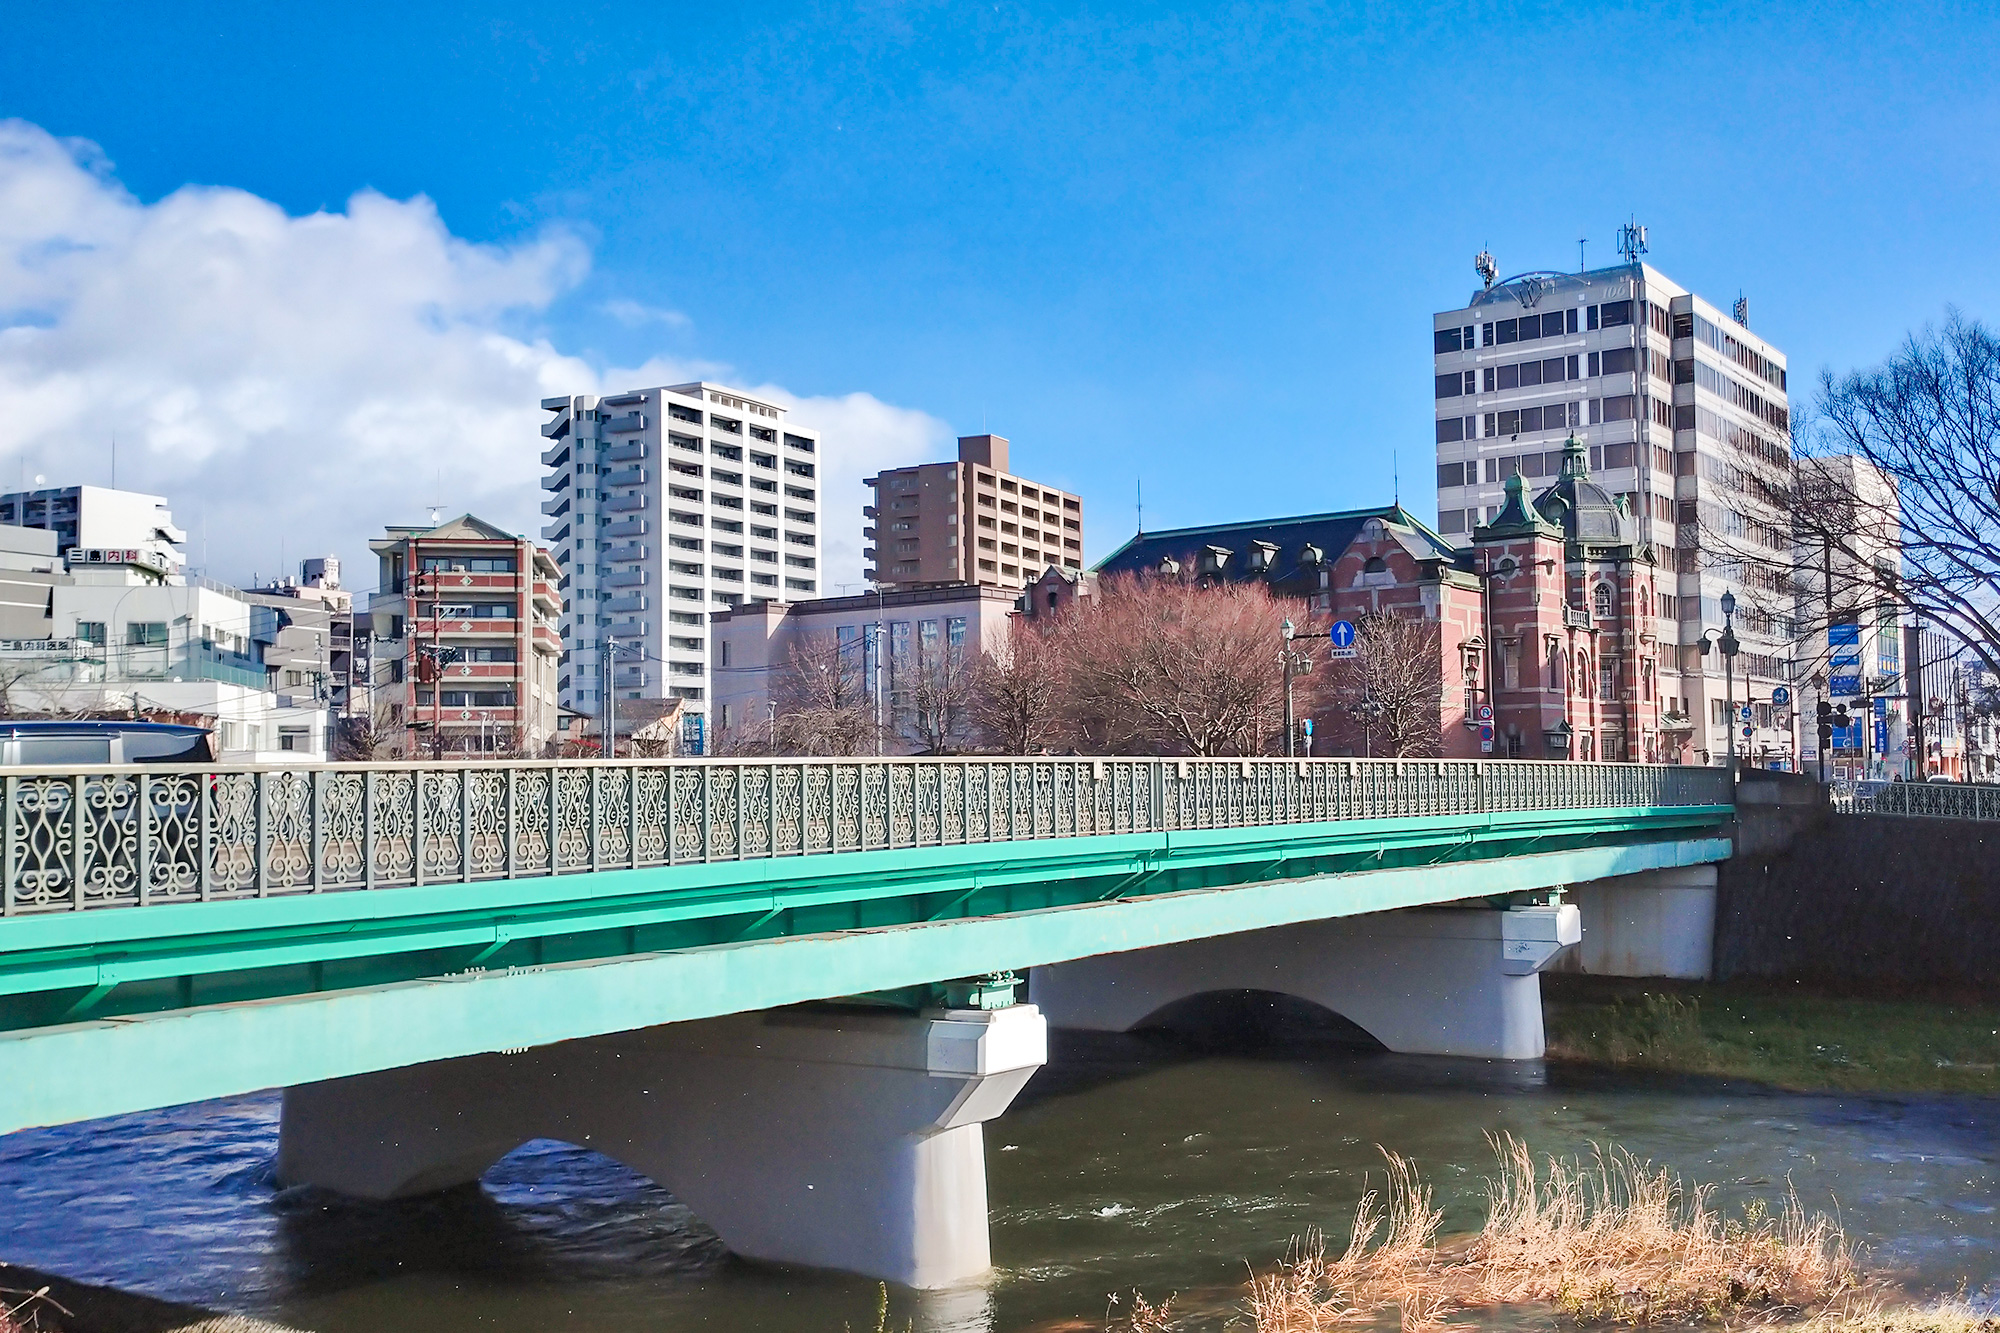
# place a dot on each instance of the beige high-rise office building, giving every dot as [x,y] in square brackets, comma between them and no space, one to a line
[1687,420]
[971,521]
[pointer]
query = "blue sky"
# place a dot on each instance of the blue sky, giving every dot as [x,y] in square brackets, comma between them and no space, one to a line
[1195,246]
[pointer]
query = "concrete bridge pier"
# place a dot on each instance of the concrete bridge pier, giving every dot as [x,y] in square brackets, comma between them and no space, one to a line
[1431,981]
[838,1139]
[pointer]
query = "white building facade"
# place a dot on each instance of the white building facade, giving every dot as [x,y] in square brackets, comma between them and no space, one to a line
[664,506]
[1687,419]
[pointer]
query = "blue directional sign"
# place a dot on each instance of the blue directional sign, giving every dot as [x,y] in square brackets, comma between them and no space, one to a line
[1746,712]
[1781,695]
[1341,635]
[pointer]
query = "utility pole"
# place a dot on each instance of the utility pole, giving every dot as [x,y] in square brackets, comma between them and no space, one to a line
[610,656]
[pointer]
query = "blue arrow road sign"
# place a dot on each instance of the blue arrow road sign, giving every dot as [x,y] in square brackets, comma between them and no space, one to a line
[1781,695]
[1342,634]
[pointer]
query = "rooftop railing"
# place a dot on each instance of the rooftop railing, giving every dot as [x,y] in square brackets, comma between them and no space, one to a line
[128,836]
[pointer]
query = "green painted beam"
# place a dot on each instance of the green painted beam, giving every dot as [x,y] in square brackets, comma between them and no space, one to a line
[109,947]
[91,1069]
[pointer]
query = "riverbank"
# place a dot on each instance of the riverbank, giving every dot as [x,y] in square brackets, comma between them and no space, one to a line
[1786,1036]
[32,1301]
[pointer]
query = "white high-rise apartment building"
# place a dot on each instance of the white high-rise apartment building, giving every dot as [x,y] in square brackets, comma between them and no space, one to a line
[664,505]
[1687,419]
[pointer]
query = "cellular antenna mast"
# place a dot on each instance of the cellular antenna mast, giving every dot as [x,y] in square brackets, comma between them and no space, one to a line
[1483,265]
[1631,241]
[1139,497]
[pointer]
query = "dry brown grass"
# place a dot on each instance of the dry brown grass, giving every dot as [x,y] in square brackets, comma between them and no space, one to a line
[1611,1241]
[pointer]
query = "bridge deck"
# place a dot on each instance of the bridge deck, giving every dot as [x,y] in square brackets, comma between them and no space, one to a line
[277,926]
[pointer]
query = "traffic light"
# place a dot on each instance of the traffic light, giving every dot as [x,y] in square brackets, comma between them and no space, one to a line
[1825,712]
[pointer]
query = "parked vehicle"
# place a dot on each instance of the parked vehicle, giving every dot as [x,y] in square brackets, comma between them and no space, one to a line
[39,744]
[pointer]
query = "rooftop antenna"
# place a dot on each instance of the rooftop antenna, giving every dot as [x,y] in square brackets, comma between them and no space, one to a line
[1631,241]
[1396,477]
[1483,265]
[1580,266]
[1741,310]
[1139,493]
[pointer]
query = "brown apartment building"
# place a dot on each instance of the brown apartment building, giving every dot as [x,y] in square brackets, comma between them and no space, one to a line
[465,640]
[971,521]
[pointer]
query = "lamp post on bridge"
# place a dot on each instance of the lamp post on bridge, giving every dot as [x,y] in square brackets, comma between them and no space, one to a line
[1294,662]
[1726,639]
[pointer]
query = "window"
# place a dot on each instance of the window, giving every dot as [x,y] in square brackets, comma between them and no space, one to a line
[1450,430]
[679,413]
[764,433]
[145,633]
[728,451]
[1607,678]
[798,442]
[1622,408]
[90,631]
[1620,360]
[478,564]
[1613,313]
[734,427]
[1452,385]
[1446,340]
[1600,601]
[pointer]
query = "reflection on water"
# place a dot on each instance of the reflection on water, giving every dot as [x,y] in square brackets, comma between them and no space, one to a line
[1129,1163]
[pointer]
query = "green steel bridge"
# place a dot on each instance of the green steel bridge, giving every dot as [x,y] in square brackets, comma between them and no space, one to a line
[177,934]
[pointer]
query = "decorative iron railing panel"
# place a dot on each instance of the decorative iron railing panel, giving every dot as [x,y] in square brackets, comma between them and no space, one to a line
[120,836]
[1930,800]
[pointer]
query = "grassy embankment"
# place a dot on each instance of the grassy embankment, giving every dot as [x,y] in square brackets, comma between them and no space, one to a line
[1788,1038]
[1609,1242]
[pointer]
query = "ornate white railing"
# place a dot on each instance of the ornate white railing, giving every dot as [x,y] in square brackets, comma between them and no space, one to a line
[112,836]
[1934,800]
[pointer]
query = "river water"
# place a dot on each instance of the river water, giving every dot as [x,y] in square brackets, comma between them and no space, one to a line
[1130,1162]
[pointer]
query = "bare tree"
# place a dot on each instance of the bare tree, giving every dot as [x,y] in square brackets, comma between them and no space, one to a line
[1018,706]
[822,702]
[935,703]
[365,737]
[1928,422]
[1162,666]
[1387,699]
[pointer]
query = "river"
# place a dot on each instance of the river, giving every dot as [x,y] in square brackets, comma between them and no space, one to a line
[1130,1162]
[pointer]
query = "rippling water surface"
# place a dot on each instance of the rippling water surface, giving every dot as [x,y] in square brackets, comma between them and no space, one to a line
[1128,1164]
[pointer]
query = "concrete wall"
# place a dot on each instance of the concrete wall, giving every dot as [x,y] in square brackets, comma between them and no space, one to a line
[1877,900]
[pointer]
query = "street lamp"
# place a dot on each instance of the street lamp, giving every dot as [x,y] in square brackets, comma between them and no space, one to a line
[1294,662]
[1730,645]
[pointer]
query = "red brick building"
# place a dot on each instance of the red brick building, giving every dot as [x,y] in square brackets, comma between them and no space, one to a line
[465,641]
[1547,618]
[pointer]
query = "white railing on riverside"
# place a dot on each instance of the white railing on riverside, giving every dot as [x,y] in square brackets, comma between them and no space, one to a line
[134,835]
[1930,800]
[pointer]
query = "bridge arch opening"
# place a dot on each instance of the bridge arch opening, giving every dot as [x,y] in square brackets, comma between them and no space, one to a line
[1255,1020]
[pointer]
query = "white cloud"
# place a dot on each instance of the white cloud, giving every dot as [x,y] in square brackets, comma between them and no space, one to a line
[294,383]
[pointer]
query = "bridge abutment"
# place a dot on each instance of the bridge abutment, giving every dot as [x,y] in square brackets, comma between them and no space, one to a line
[837,1139]
[1658,923]
[1447,981]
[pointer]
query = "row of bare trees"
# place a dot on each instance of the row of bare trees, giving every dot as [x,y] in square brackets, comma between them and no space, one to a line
[1151,665]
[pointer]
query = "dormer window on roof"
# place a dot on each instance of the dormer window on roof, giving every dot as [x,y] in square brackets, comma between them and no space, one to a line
[1215,559]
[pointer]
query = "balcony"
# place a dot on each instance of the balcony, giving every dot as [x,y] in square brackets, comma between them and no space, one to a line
[555,430]
[629,551]
[868,534]
[556,508]
[631,578]
[630,676]
[631,476]
[629,527]
[622,504]
[555,532]
[868,553]
[560,481]
[635,601]
[557,456]
[626,452]
[626,424]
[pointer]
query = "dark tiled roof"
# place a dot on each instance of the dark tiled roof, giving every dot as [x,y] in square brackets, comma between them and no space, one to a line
[1331,533]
